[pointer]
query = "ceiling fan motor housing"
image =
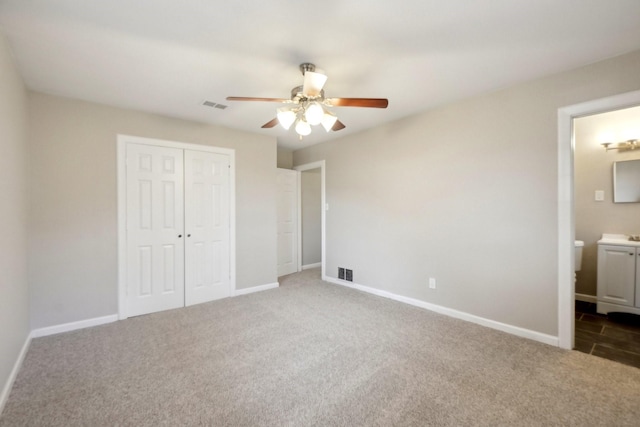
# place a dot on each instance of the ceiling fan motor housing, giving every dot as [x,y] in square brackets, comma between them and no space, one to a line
[307,66]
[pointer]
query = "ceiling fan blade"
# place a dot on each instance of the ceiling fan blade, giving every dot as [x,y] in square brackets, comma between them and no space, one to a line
[338,126]
[270,124]
[359,102]
[245,98]
[313,84]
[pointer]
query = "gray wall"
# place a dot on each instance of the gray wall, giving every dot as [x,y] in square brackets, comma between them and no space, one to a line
[285,158]
[594,171]
[466,193]
[14,294]
[73,253]
[310,182]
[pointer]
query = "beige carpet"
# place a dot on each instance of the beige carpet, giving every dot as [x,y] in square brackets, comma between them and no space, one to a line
[313,353]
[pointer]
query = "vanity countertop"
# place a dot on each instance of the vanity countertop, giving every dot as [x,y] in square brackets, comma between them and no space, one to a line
[617,239]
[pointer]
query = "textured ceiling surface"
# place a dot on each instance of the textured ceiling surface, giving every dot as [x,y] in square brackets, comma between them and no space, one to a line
[167,56]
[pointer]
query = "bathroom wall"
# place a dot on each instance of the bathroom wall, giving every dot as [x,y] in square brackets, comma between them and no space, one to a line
[594,171]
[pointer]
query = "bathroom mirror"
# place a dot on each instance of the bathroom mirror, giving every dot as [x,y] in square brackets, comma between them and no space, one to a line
[626,181]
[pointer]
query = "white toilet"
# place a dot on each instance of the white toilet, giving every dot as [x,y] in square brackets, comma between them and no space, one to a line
[579,246]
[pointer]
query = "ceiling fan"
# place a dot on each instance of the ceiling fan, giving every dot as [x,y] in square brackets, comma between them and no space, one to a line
[310,105]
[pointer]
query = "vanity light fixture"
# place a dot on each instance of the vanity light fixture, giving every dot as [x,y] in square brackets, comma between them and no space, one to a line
[630,144]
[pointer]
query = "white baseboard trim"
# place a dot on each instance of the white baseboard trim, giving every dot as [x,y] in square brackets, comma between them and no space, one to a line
[514,330]
[43,332]
[6,390]
[586,298]
[259,288]
[72,326]
[310,266]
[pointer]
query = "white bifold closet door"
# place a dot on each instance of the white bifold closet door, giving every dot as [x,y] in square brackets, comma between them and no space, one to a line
[177,227]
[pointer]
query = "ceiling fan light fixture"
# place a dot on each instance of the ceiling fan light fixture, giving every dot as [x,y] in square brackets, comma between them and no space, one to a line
[303,128]
[328,120]
[286,117]
[313,83]
[309,104]
[314,113]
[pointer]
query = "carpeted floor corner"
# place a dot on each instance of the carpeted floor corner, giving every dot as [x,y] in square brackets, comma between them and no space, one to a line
[313,354]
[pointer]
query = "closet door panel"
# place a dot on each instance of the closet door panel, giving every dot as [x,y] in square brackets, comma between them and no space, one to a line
[155,245]
[207,226]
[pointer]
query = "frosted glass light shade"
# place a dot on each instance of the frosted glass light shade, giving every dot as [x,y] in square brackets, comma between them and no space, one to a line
[328,120]
[303,128]
[314,113]
[286,117]
[313,83]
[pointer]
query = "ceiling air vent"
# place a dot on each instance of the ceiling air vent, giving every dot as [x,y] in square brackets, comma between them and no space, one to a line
[214,105]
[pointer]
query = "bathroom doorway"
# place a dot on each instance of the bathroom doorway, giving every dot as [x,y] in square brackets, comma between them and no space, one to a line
[608,333]
[566,204]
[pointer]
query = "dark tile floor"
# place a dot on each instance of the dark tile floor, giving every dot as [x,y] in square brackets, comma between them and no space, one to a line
[612,337]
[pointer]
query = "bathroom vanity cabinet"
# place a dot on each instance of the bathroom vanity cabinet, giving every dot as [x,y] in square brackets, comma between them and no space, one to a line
[618,275]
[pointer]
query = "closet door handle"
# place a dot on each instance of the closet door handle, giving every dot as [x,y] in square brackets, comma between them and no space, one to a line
[188,235]
[179,236]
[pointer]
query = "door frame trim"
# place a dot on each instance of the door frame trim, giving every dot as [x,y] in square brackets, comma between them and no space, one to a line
[122,141]
[320,164]
[566,204]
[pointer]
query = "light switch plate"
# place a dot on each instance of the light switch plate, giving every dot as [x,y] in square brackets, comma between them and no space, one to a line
[599,195]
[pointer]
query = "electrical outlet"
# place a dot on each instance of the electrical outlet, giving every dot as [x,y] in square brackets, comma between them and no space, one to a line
[341,273]
[349,275]
[432,283]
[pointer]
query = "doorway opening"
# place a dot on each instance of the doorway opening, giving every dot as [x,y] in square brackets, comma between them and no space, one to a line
[566,204]
[312,207]
[607,318]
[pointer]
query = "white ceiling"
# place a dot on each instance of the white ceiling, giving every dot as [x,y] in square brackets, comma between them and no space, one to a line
[168,56]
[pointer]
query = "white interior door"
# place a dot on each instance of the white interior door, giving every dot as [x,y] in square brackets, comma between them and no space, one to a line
[154,228]
[287,192]
[207,272]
